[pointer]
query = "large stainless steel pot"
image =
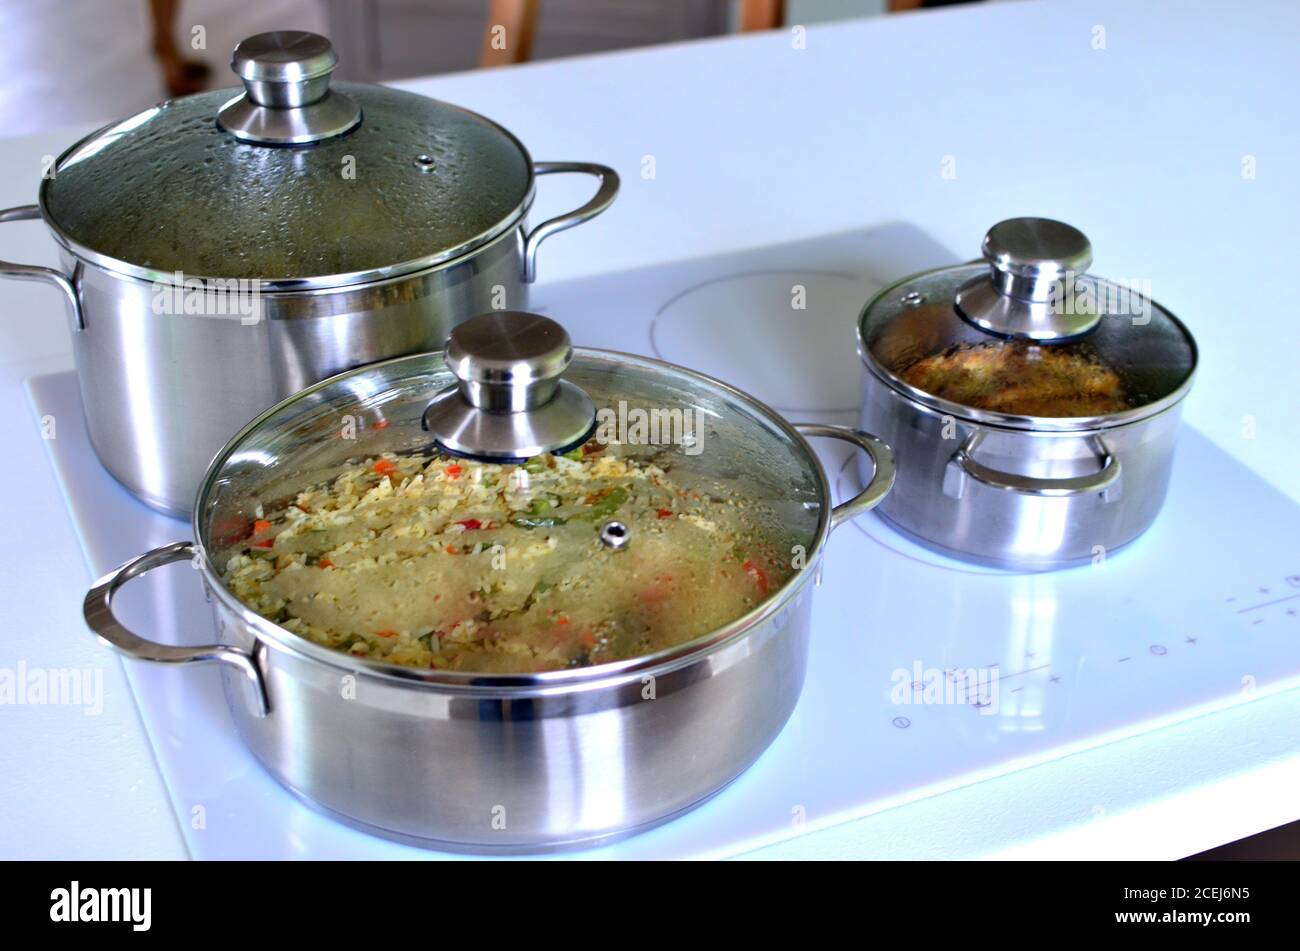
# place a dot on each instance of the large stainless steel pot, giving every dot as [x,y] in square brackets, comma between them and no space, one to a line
[222,251]
[1016,491]
[521,761]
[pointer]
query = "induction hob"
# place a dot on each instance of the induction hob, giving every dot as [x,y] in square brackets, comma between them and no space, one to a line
[1002,670]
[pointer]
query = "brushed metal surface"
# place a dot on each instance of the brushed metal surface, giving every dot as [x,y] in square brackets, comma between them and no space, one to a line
[1026,528]
[529,769]
[164,392]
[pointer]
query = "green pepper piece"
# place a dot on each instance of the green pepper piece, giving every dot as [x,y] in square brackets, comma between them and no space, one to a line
[536,516]
[607,506]
[534,521]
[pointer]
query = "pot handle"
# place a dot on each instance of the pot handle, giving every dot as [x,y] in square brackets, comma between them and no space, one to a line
[1105,481]
[882,479]
[603,198]
[100,618]
[32,272]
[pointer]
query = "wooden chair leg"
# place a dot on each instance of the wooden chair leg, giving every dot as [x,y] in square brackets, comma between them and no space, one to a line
[510,28]
[761,15]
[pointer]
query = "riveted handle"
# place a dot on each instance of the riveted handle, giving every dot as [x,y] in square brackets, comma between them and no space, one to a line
[100,618]
[1104,482]
[34,272]
[604,197]
[882,479]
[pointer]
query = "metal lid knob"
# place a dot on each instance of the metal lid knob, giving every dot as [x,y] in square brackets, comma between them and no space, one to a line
[287,99]
[1030,289]
[509,402]
[286,68]
[508,362]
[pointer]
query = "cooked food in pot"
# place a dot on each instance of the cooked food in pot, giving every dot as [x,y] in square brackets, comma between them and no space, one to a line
[1020,379]
[446,563]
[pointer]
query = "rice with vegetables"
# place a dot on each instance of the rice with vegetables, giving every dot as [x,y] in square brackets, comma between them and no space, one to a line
[450,564]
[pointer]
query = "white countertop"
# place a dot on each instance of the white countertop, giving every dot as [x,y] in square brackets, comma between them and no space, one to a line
[753,142]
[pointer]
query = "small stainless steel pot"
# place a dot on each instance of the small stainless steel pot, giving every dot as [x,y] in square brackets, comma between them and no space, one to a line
[504,762]
[221,252]
[1028,493]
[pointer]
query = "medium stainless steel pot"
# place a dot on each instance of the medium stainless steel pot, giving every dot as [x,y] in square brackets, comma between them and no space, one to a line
[1025,492]
[516,762]
[222,251]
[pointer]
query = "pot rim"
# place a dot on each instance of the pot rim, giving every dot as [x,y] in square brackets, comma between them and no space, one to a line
[1011,421]
[598,676]
[281,284]
[282,293]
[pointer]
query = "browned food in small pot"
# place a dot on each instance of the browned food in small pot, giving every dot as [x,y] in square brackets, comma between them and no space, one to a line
[1020,379]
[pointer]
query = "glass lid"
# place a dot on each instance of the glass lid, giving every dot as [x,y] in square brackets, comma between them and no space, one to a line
[676,521]
[290,180]
[1028,338]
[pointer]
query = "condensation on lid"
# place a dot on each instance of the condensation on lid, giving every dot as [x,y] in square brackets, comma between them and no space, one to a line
[169,191]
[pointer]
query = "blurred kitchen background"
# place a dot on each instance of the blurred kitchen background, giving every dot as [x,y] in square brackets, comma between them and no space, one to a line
[72,62]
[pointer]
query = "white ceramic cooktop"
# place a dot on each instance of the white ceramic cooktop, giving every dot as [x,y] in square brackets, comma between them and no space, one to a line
[1201,613]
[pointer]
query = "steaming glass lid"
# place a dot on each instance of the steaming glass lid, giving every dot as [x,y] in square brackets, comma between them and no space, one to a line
[511,390]
[680,480]
[293,179]
[1028,337]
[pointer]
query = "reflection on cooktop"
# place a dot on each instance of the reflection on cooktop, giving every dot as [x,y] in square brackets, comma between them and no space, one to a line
[779,334]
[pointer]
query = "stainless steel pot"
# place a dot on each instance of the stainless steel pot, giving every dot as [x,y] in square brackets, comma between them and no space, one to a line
[223,251]
[505,762]
[1015,491]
